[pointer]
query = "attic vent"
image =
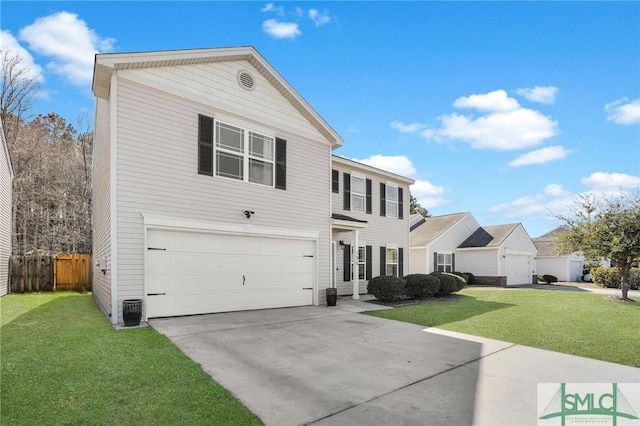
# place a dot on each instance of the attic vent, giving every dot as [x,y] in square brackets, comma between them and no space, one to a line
[246,80]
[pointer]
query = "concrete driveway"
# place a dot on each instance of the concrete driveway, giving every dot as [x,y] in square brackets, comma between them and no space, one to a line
[333,366]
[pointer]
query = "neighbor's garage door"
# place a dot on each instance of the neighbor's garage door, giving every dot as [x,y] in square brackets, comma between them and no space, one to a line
[518,269]
[194,273]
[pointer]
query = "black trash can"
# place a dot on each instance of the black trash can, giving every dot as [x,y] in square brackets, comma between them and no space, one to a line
[332,296]
[132,312]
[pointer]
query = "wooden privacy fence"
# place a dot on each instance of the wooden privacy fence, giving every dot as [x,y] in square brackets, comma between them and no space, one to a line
[48,273]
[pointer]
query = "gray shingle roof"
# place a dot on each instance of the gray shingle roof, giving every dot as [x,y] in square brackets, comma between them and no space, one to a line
[489,236]
[432,228]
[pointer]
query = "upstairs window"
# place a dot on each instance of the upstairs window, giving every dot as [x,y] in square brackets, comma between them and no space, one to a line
[392,201]
[243,155]
[358,193]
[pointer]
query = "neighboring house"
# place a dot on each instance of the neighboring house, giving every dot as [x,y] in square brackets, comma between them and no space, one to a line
[212,180]
[566,267]
[370,225]
[6,178]
[499,254]
[434,241]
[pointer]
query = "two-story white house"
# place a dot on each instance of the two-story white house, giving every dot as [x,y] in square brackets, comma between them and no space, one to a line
[213,188]
[370,225]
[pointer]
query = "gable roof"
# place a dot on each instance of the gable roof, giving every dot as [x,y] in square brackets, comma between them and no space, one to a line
[107,63]
[546,243]
[5,149]
[489,236]
[432,228]
[352,163]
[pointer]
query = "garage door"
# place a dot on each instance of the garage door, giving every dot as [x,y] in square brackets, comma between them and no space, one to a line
[195,273]
[518,270]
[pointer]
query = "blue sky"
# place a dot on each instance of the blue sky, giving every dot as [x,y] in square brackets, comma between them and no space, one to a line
[506,110]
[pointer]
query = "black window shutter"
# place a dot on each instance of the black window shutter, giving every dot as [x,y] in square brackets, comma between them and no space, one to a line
[369,262]
[368,210]
[400,204]
[346,180]
[400,263]
[347,262]
[281,164]
[435,261]
[335,181]
[383,261]
[383,199]
[453,262]
[205,145]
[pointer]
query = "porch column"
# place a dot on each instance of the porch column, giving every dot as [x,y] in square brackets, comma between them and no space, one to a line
[354,267]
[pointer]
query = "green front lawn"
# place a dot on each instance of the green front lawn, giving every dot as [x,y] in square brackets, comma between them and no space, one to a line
[583,324]
[63,363]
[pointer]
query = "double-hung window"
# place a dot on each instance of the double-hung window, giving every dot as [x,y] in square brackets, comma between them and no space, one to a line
[392,261]
[392,201]
[358,193]
[445,262]
[244,155]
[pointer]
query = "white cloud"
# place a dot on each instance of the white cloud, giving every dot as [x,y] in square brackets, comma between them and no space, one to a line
[505,130]
[279,29]
[541,156]
[270,7]
[623,111]
[398,164]
[603,181]
[407,128]
[544,95]
[488,102]
[70,44]
[553,198]
[10,44]
[319,18]
[429,195]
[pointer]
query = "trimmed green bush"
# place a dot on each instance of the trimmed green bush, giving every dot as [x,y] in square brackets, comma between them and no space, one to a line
[421,286]
[611,277]
[548,279]
[387,288]
[460,281]
[471,279]
[448,284]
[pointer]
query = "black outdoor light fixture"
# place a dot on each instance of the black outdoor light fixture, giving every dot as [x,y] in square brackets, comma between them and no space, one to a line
[248,213]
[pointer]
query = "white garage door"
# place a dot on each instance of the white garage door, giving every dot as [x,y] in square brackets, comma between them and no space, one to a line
[575,270]
[518,270]
[195,273]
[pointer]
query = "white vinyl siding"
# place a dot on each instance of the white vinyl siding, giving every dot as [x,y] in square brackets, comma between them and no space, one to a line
[449,240]
[216,85]
[157,170]
[101,205]
[5,215]
[379,231]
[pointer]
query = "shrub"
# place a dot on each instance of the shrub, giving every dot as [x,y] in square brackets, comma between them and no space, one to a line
[448,284]
[387,288]
[460,281]
[472,278]
[421,286]
[548,279]
[611,277]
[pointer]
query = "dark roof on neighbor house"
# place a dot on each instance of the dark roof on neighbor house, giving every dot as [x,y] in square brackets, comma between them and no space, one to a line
[546,244]
[338,216]
[553,233]
[432,228]
[489,236]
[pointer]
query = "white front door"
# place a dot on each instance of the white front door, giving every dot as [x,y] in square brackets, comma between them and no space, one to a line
[196,272]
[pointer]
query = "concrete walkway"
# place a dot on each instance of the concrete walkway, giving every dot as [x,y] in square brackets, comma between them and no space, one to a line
[332,366]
